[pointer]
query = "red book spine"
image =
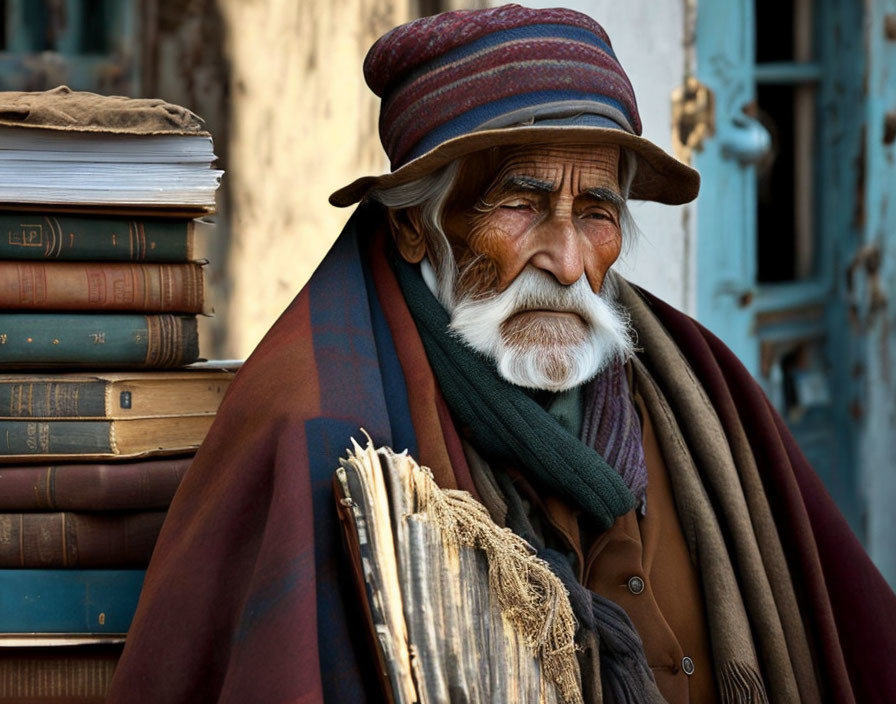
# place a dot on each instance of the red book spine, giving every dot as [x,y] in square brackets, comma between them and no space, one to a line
[99,286]
[123,486]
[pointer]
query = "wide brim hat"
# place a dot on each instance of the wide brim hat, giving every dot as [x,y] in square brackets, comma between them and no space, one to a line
[464,81]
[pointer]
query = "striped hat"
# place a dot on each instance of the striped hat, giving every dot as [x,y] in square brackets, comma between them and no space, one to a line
[463,81]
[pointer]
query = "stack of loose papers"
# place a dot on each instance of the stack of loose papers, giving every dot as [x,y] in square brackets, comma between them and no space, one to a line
[101,169]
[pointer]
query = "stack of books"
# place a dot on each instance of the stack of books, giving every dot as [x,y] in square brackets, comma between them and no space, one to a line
[101,408]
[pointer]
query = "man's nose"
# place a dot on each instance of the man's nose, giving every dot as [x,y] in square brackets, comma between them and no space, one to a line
[558,249]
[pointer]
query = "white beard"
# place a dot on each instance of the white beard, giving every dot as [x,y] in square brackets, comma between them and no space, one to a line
[544,351]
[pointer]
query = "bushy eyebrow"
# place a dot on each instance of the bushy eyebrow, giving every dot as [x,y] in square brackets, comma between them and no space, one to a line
[516,183]
[606,195]
[526,183]
[513,184]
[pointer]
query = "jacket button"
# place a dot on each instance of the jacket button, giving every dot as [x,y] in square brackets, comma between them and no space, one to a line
[635,585]
[687,665]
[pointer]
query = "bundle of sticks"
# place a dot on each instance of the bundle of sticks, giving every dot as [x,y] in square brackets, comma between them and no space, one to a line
[460,610]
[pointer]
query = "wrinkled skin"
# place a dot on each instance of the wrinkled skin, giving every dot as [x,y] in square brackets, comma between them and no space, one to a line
[554,208]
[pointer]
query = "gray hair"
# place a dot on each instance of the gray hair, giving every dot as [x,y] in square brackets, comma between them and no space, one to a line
[430,193]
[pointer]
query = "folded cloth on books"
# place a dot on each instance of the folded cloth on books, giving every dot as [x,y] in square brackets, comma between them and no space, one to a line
[62,108]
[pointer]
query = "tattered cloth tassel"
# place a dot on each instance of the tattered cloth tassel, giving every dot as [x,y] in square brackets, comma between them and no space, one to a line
[740,683]
[531,597]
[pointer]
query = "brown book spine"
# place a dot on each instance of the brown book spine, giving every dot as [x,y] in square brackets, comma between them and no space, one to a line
[123,486]
[99,286]
[171,341]
[61,675]
[53,540]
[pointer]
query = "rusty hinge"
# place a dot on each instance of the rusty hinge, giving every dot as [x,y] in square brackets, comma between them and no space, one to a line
[864,286]
[693,117]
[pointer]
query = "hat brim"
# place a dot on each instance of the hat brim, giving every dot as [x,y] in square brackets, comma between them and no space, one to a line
[659,177]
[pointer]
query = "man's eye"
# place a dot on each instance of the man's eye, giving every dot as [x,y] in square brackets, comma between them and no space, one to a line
[517,206]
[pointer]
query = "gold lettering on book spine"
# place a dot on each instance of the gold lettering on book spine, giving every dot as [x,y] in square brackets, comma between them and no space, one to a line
[43,399]
[167,286]
[37,437]
[63,399]
[137,236]
[96,287]
[124,285]
[32,280]
[28,235]
[53,244]
[193,287]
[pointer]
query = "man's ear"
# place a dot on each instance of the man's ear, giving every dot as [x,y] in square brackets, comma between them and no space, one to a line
[407,231]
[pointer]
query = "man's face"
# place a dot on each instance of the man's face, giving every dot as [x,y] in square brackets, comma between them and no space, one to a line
[533,236]
[556,209]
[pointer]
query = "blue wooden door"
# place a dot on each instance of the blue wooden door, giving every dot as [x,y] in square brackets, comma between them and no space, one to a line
[779,224]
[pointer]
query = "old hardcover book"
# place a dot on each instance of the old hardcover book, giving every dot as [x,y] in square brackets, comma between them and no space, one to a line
[64,236]
[68,539]
[136,394]
[58,674]
[68,601]
[100,439]
[459,609]
[45,340]
[118,486]
[112,286]
[99,168]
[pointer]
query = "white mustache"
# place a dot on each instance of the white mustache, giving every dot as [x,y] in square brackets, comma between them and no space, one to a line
[477,321]
[532,289]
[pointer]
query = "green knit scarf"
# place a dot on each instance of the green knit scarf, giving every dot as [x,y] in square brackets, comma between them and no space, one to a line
[507,424]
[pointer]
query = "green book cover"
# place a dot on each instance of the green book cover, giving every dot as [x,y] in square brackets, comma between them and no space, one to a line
[22,397]
[36,340]
[94,238]
[55,437]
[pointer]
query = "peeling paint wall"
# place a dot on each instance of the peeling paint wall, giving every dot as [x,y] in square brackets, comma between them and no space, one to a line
[878,441]
[303,123]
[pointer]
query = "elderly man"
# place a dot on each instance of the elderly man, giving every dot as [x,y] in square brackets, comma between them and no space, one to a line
[469,313]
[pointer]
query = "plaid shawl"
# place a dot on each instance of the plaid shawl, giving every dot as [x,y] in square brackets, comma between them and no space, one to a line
[248,597]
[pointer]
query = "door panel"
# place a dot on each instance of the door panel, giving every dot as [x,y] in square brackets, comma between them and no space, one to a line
[777,227]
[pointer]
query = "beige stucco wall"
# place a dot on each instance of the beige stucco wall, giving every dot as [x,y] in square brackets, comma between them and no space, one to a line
[302,124]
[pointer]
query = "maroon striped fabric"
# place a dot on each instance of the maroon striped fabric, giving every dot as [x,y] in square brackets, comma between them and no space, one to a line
[450,74]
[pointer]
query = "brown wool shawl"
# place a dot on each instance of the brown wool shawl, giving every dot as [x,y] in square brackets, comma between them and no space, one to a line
[710,484]
[770,546]
[726,466]
[738,674]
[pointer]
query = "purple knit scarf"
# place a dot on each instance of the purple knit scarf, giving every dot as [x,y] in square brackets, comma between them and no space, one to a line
[611,426]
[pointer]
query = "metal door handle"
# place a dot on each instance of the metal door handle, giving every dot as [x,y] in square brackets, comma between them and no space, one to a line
[745,140]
